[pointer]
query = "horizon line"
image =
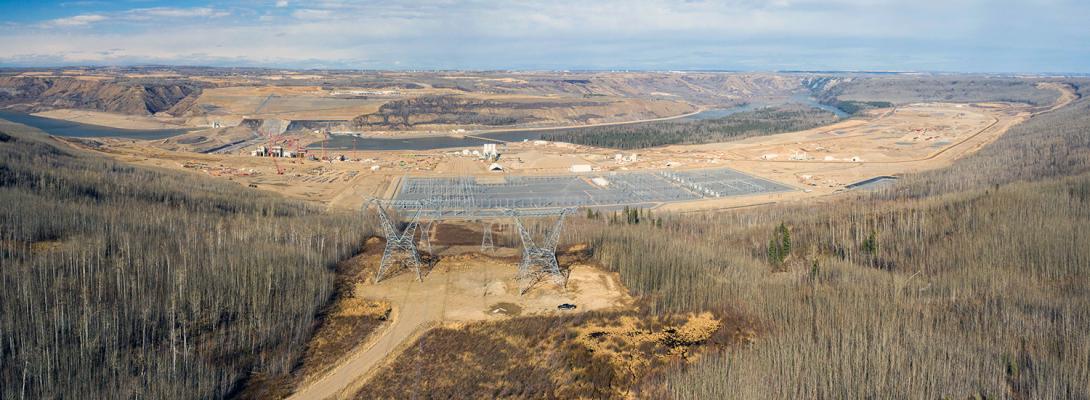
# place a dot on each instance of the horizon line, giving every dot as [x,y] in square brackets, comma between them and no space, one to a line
[571,70]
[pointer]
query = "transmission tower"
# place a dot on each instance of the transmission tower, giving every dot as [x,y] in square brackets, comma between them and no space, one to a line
[400,244]
[425,232]
[486,239]
[539,261]
[425,235]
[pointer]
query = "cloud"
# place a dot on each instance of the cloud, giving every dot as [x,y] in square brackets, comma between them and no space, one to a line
[77,20]
[137,15]
[82,3]
[310,13]
[171,12]
[998,35]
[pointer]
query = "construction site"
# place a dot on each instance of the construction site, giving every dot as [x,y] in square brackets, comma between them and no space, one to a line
[543,174]
[470,199]
[477,141]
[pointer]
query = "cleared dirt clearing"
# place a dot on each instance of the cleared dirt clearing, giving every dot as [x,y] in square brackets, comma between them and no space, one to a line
[461,288]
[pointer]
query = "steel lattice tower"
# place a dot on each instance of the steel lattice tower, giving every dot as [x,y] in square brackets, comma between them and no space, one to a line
[399,244]
[425,231]
[486,238]
[538,261]
[425,235]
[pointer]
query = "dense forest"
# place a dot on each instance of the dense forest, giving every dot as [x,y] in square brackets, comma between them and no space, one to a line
[406,113]
[764,121]
[856,107]
[126,282]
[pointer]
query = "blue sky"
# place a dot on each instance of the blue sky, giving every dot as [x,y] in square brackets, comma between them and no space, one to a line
[922,35]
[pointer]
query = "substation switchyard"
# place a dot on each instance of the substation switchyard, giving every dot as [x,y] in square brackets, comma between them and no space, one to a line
[428,201]
[492,196]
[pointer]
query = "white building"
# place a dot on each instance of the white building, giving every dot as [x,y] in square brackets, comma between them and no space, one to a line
[489,151]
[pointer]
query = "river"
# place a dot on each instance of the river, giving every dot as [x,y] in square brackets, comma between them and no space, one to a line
[347,142]
[59,127]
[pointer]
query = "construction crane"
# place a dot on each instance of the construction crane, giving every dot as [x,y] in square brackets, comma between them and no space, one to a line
[272,129]
[325,135]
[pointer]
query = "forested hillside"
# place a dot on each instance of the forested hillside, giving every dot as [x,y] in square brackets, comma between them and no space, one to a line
[966,282]
[125,282]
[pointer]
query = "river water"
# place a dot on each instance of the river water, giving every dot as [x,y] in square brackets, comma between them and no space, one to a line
[446,142]
[58,127]
[346,142]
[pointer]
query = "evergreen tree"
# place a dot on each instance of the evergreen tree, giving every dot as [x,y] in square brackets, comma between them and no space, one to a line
[786,236]
[779,247]
[774,252]
[870,244]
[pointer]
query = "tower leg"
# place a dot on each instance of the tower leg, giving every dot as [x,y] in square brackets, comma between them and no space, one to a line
[425,236]
[486,239]
[539,261]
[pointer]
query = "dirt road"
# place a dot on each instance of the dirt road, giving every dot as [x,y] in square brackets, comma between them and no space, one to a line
[407,320]
[460,289]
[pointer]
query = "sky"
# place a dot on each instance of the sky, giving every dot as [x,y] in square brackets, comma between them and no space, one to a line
[1000,36]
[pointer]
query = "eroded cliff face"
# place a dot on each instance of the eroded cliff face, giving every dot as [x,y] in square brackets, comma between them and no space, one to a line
[134,98]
